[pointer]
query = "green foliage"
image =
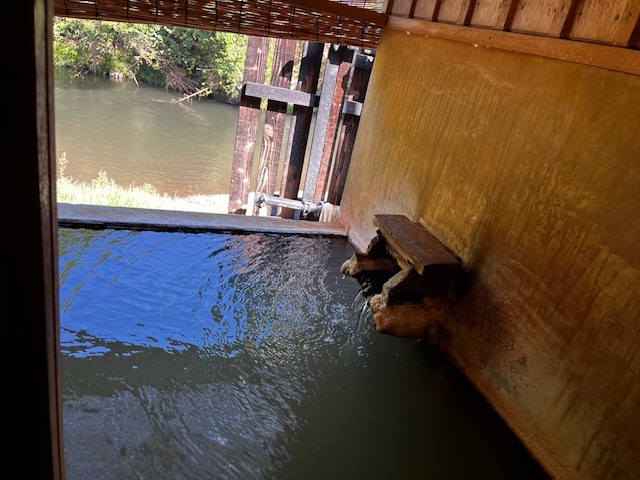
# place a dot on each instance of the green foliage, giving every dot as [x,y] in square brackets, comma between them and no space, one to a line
[228,64]
[212,60]
[180,59]
[98,48]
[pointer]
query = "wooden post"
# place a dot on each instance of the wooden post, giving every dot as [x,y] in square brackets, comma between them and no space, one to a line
[339,93]
[248,116]
[324,134]
[275,118]
[357,93]
[300,125]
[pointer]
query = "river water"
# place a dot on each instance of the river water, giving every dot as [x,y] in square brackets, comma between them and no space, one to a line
[222,356]
[139,134]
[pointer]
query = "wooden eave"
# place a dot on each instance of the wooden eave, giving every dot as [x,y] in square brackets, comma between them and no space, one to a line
[327,21]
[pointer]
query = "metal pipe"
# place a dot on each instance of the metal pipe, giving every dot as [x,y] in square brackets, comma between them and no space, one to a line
[307,208]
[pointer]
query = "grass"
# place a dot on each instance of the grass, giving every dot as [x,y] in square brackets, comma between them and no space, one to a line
[105,192]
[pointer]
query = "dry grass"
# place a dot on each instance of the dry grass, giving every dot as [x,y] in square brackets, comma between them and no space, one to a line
[104,191]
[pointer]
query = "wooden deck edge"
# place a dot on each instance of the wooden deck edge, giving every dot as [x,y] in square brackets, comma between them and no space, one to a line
[93,216]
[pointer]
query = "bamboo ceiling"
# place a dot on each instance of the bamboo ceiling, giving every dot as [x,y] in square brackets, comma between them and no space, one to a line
[345,22]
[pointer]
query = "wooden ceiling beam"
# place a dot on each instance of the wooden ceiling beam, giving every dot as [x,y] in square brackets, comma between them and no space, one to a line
[466,12]
[387,7]
[436,10]
[563,18]
[506,12]
[625,60]
[412,10]
[628,23]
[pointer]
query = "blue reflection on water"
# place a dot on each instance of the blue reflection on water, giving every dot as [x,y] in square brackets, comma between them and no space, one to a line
[132,284]
[188,290]
[243,357]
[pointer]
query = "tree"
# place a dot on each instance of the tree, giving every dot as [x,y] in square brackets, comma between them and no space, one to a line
[180,59]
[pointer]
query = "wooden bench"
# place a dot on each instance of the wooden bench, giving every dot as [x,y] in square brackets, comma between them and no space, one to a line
[410,259]
[418,272]
[413,245]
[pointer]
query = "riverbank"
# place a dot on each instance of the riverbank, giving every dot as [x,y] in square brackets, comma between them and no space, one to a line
[103,191]
[197,203]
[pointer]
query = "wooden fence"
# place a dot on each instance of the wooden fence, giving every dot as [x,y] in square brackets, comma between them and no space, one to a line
[285,168]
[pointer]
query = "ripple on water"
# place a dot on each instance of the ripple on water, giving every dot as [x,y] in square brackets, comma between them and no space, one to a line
[250,356]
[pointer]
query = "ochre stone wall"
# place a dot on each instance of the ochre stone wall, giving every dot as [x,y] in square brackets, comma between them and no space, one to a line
[529,169]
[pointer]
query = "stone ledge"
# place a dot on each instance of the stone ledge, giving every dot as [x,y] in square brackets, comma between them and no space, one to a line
[93,216]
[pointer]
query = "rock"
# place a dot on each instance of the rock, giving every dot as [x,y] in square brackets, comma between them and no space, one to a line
[359,264]
[422,319]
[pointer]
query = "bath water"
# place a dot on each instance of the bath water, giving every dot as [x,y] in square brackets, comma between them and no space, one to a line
[229,356]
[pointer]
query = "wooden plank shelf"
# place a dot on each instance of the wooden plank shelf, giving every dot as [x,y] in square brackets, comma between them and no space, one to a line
[416,246]
[419,274]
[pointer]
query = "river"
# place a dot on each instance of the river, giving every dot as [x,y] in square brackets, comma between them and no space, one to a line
[139,134]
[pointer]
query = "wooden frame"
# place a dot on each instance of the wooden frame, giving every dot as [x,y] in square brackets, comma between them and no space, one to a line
[612,58]
[28,254]
[601,34]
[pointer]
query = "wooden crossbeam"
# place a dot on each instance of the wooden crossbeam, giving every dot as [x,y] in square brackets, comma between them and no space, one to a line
[352,108]
[281,94]
[612,58]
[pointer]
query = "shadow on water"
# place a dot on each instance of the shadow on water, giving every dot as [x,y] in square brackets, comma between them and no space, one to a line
[193,356]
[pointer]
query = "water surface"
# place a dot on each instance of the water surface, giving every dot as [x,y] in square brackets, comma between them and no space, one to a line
[220,356]
[139,134]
